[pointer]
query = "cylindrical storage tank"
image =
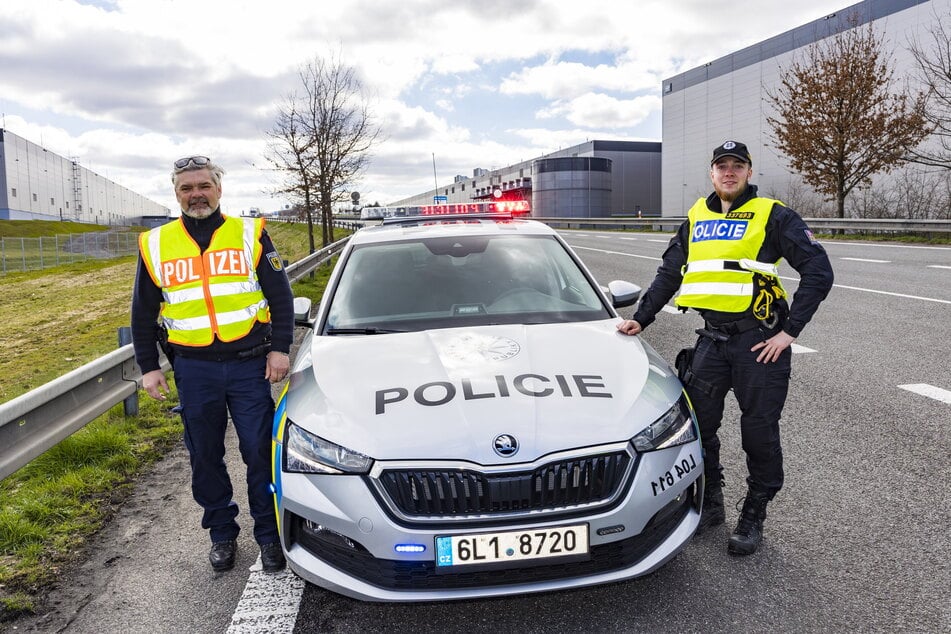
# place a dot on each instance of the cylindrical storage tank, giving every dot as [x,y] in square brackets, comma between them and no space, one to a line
[571,187]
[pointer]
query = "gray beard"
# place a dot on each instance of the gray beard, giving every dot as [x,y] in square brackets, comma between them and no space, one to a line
[198,213]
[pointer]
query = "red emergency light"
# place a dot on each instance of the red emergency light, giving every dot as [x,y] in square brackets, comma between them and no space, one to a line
[514,207]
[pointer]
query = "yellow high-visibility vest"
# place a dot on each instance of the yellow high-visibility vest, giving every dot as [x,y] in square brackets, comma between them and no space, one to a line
[212,293]
[721,259]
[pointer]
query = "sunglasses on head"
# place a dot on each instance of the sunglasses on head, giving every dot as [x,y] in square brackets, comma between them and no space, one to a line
[197,161]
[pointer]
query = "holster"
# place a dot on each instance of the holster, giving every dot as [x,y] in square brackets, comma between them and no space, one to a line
[683,362]
[161,335]
[684,365]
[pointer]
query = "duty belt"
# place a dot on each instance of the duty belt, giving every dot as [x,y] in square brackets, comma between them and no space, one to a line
[738,326]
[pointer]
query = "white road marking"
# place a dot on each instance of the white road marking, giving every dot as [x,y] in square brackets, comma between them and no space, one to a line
[930,391]
[672,310]
[661,241]
[270,602]
[630,255]
[938,266]
[869,290]
[628,239]
[867,260]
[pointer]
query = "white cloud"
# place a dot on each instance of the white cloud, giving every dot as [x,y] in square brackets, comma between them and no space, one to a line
[130,85]
[603,111]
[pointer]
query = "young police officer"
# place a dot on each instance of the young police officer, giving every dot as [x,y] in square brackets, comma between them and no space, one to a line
[228,310]
[724,261]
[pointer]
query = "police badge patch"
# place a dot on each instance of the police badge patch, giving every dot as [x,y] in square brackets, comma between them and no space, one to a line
[275,260]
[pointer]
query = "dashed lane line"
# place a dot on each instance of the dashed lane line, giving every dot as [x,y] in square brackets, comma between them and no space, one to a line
[930,391]
[270,602]
[939,266]
[867,260]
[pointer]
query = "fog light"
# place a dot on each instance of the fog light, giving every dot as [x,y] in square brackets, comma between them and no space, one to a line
[410,548]
[324,534]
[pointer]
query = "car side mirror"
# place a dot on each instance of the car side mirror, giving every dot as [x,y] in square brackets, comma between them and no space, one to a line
[623,293]
[302,311]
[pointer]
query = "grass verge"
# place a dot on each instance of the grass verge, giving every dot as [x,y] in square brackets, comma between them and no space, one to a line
[49,508]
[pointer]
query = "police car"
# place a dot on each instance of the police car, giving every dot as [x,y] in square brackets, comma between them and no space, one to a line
[463,420]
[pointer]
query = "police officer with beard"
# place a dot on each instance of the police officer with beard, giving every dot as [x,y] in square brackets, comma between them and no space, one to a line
[226,304]
[724,262]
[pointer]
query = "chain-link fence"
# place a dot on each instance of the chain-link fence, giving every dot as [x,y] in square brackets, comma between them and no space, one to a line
[30,254]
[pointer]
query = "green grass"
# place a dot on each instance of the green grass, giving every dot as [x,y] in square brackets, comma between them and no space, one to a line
[53,321]
[44,228]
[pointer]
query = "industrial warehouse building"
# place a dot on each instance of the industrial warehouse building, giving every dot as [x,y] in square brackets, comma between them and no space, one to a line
[36,184]
[726,99]
[596,179]
[703,107]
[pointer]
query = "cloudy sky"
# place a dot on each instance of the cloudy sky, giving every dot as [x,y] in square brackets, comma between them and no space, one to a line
[128,86]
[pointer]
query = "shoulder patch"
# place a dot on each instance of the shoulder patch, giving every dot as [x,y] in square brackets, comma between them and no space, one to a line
[812,238]
[276,263]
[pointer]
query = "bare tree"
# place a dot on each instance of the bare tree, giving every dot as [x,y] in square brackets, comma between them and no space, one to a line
[290,153]
[838,120]
[321,140]
[933,60]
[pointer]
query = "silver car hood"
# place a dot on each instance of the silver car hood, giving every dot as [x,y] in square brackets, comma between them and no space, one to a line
[447,394]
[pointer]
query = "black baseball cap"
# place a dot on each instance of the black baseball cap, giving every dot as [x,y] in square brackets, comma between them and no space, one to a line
[734,149]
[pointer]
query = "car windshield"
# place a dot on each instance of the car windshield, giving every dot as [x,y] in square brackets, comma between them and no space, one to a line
[459,281]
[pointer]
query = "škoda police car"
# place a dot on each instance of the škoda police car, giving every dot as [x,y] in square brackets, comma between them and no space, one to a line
[463,420]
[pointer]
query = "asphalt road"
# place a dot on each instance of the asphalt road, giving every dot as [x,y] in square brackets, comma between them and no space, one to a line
[858,540]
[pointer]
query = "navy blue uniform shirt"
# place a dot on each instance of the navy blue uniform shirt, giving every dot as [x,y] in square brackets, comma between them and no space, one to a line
[787,237]
[147,299]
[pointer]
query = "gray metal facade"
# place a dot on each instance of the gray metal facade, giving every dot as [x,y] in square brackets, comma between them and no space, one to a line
[726,98]
[36,184]
[572,187]
[632,185]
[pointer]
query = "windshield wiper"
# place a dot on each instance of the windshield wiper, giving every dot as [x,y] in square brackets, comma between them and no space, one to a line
[362,331]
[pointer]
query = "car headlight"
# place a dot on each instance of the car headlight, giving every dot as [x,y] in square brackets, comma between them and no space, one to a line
[306,453]
[676,427]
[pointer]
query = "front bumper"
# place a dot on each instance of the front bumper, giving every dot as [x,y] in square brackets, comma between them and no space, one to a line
[337,535]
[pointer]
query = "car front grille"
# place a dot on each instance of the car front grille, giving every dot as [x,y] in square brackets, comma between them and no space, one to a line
[462,492]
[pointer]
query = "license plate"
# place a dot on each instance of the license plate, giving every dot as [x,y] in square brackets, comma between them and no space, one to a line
[512,546]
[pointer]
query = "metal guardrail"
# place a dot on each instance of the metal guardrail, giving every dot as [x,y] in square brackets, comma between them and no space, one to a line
[34,422]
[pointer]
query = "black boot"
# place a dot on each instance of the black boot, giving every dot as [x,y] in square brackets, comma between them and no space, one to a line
[713,513]
[272,557]
[748,533]
[222,555]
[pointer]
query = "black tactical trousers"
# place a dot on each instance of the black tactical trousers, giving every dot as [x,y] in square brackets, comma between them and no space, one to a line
[760,390]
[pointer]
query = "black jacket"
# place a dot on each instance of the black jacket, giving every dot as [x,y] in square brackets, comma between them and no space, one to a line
[787,237]
[147,299]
